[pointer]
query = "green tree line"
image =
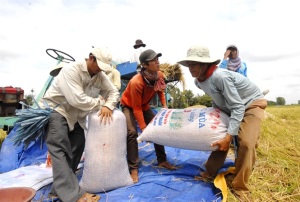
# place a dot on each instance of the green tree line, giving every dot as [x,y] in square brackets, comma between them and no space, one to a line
[182,99]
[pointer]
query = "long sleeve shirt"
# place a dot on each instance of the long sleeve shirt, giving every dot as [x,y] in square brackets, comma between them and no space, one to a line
[242,70]
[232,93]
[77,93]
[138,95]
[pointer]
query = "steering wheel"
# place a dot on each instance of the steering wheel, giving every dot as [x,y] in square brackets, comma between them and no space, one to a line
[61,56]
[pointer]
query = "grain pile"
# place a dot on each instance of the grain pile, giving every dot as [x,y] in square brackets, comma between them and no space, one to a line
[172,73]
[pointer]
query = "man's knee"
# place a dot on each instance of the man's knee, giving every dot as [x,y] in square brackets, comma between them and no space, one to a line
[132,134]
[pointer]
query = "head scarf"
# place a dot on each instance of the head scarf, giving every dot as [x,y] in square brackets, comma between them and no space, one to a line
[158,83]
[234,63]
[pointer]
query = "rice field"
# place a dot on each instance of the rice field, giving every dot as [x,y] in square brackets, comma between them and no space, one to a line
[276,176]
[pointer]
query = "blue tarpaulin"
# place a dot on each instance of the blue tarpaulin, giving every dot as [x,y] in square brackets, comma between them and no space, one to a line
[16,156]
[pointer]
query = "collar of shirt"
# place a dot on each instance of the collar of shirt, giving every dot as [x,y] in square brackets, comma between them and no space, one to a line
[209,72]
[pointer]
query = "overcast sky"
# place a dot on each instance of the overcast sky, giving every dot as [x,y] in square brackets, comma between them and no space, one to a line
[265,31]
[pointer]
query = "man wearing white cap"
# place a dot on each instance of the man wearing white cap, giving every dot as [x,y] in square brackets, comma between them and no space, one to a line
[78,88]
[243,101]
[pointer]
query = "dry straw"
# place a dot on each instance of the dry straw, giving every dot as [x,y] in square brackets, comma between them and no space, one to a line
[2,136]
[172,72]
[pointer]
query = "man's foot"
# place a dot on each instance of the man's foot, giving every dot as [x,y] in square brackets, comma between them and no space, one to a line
[243,196]
[134,175]
[205,177]
[87,197]
[167,165]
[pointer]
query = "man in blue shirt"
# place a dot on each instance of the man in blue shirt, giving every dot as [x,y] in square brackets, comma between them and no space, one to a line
[243,101]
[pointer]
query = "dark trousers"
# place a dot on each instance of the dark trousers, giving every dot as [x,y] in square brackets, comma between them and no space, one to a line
[132,135]
[66,149]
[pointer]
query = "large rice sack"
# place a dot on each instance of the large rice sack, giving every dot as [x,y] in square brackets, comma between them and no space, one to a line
[191,128]
[105,166]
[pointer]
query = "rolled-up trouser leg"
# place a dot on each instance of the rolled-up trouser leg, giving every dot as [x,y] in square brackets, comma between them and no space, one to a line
[159,149]
[215,162]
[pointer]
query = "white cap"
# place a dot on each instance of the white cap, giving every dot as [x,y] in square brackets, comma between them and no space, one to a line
[103,56]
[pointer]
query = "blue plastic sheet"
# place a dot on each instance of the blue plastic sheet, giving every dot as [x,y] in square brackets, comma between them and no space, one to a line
[158,184]
[16,156]
[155,184]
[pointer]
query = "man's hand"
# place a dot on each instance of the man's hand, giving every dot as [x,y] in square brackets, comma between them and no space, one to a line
[226,54]
[223,144]
[105,115]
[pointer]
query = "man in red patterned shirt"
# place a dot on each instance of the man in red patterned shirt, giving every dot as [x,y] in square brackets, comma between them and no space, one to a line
[135,105]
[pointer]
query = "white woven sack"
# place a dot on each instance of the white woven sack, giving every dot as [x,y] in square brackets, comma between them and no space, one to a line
[190,128]
[33,176]
[105,166]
